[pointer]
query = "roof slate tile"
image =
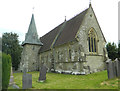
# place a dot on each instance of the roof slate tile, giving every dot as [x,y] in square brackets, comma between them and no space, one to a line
[67,34]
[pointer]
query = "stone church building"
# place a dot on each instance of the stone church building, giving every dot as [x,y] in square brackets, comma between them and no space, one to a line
[76,46]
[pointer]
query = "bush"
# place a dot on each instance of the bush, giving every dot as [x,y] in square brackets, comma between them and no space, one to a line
[6,69]
[112,50]
[0,71]
[10,45]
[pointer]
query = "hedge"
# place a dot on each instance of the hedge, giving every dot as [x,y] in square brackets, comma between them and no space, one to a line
[0,71]
[6,69]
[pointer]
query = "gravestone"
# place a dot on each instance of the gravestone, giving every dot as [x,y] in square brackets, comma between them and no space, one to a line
[117,67]
[110,69]
[26,80]
[42,76]
[11,82]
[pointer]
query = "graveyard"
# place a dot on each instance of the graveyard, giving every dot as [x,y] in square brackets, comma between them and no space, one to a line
[98,80]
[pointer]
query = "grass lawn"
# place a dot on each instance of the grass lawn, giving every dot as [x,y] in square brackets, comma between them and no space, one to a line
[97,80]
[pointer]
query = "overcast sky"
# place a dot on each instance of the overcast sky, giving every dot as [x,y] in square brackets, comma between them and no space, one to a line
[15,15]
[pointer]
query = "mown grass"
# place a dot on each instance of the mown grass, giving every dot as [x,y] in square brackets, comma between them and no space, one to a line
[97,80]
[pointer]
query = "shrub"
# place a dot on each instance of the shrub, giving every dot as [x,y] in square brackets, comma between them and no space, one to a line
[6,69]
[0,71]
[112,50]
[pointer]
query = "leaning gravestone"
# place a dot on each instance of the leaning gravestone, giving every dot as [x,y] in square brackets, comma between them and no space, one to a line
[117,67]
[110,69]
[42,76]
[26,80]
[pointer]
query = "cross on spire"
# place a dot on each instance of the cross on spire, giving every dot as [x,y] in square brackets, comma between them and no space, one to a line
[65,18]
[89,3]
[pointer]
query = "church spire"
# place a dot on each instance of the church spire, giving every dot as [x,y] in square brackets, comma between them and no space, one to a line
[32,36]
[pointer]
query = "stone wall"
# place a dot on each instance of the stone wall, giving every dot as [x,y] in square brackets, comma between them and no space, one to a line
[94,61]
[67,58]
[74,57]
[29,57]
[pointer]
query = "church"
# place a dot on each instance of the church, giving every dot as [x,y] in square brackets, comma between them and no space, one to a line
[76,46]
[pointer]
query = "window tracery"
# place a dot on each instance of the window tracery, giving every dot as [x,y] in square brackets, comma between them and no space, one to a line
[92,40]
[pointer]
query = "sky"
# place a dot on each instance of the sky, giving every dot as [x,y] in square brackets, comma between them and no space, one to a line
[15,15]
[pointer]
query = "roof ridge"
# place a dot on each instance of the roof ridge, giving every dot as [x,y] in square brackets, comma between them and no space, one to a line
[66,21]
[61,29]
[78,14]
[63,33]
[52,29]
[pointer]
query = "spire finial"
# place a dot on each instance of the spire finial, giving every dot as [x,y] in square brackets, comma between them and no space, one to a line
[65,18]
[89,3]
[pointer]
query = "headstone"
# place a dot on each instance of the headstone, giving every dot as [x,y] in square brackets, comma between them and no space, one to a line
[11,82]
[15,86]
[117,67]
[110,69]
[42,76]
[24,70]
[26,80]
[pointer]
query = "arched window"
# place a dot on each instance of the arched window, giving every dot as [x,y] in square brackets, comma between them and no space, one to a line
[92,37]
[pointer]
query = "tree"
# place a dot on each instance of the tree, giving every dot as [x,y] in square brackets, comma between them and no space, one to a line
[10,45]
[112,50]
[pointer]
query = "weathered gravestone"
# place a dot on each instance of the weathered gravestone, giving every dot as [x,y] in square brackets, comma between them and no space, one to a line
[11,82]
[42,76]
[110,69]
[117,67]
[26,80]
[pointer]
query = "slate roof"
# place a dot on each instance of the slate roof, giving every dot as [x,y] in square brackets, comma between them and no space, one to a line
[32,36]
[65,32]
[48,38]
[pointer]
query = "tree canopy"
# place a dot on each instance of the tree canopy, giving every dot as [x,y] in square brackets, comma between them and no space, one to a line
[112,50]
[10,45]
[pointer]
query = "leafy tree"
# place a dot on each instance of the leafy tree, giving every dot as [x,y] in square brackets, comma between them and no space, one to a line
[10,45]
[112,50]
